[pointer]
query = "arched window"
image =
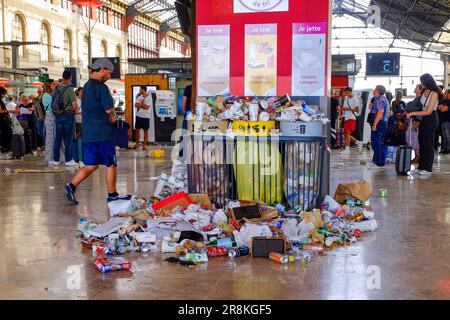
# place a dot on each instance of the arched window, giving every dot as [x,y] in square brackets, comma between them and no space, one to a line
[103,49]
[67,54]
[45,42]
[19,31]
[85,53]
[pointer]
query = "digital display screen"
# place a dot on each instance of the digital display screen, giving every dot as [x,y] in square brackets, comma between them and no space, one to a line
[383,64]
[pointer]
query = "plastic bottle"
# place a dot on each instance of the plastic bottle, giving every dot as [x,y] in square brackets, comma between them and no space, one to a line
[316,249]
[364,226]
[195,257]
[357,217]
[303,256]
[229,242]
[226,228]
[167,246]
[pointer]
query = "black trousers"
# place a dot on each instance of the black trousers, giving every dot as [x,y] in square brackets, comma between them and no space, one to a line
[427,132]
[5,134]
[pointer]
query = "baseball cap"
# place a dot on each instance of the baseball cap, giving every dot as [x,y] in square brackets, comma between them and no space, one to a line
[102,63]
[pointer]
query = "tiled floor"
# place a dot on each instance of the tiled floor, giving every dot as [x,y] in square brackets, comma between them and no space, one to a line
[409,256]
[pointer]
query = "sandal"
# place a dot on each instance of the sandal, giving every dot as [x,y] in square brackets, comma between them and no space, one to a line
[137,146]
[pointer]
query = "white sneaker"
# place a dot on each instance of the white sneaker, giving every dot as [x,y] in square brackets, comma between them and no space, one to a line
[424,173]
[415,171]
[359,145]
[346,150]
[81,164]
[71,163]
[374,167]
[54,163]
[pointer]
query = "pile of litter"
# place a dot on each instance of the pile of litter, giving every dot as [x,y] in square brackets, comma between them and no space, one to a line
[192,230]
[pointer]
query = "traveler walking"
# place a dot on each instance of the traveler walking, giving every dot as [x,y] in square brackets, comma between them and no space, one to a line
[98,132]
[350,108]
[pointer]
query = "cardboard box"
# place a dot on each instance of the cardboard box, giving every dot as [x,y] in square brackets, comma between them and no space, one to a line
[180,199]
[245,212]
[207,127]
[202,200]
[262,246]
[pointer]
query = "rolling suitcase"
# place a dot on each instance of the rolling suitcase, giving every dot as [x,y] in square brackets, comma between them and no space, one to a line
[403,160]
[121,135]
[340,143]
[404,156]
[18,146]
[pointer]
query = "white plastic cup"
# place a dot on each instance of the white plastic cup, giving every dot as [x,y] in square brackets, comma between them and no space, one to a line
[254,112]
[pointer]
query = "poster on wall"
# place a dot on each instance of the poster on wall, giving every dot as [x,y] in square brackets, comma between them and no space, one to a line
[260,59]
[309,59]
[213,60]
[249,6]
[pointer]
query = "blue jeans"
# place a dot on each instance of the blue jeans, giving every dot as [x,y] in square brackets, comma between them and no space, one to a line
[64,124]
[378,146]
[41,132]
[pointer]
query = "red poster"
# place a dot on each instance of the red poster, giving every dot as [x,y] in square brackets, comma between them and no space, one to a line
[222,12]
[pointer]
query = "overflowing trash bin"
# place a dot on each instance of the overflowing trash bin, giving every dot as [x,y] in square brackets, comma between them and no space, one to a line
[253,189]
[273,169]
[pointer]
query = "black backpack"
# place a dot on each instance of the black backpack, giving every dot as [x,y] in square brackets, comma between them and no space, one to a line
[58,106]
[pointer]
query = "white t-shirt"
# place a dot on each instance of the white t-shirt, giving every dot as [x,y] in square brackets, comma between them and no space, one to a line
[78,117]
[11,106]
[352,103]
[149,102]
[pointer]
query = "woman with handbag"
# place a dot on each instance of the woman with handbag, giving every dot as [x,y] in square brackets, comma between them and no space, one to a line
[378,119]
[50,127]
[5,128]
[432,94]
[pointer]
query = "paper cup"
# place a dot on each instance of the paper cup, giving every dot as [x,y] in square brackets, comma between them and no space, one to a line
[264,116]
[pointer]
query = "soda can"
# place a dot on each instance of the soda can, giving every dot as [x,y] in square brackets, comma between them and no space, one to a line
[329,241]
[216,251]
[278,257]
[238,252]
[357,217]
[208,227]
[382,193]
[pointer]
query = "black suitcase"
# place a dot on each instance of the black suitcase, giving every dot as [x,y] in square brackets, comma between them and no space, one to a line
[18,146]
[403,160]
[121,134]
[28,136]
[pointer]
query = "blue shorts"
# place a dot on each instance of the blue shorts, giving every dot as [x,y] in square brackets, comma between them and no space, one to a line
[100,153]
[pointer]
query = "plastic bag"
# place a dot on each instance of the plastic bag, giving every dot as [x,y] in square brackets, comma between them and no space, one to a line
[257,167]
[124,206]
[168,186]
[248,231]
